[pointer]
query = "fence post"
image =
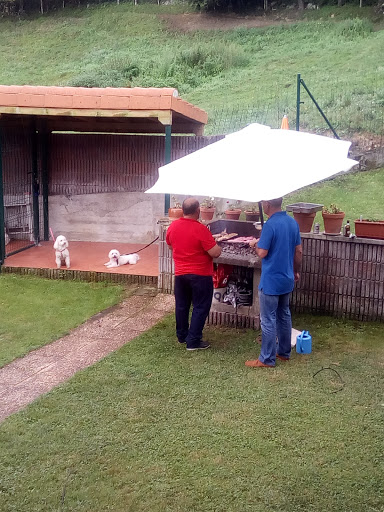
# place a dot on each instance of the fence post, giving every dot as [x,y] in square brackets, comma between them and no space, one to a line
[167,159]
[2,219]
[319,109]
[35,188]
[300,83]
[298,102]
[44,141]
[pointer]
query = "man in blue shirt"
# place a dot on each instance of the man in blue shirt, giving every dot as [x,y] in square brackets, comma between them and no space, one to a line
[279,247]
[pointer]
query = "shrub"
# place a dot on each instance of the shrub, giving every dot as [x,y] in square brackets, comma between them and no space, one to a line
[354,29]
[332,208]
[209,202]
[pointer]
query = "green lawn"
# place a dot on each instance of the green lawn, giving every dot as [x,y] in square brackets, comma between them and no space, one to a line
[36,311]
[154,428]
[238,76]
[356,194]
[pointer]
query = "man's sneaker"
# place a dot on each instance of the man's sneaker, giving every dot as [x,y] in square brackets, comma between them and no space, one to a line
[181,341]
[203,345]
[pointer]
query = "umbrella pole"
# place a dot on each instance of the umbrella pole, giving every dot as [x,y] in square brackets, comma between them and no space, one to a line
[261,214]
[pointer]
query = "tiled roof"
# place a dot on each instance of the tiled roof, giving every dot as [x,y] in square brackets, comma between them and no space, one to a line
[19,99]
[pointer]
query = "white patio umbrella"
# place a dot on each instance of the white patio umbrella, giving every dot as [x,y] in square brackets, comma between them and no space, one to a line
[254,164]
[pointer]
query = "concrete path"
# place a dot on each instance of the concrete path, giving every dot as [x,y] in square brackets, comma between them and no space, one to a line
[25,379]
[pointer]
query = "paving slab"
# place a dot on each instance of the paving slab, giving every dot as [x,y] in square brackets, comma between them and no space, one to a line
[27,378]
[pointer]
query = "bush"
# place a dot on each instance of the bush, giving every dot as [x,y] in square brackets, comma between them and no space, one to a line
[354,29]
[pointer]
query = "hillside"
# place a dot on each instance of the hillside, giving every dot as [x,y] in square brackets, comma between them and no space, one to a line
[237,73]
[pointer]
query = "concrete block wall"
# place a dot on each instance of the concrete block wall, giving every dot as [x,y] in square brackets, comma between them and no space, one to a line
[125,217]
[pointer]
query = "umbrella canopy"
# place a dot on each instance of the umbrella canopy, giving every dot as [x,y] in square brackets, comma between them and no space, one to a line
[256,163]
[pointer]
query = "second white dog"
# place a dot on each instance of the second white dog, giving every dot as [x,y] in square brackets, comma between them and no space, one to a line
[61,251]
[116,259]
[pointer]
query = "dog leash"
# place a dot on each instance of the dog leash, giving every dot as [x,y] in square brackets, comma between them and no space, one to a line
[142,249]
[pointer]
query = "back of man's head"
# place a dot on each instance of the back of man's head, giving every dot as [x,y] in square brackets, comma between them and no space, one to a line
[276,203]
[190,206]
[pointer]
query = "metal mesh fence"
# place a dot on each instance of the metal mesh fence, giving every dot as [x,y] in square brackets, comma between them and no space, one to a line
[354,111]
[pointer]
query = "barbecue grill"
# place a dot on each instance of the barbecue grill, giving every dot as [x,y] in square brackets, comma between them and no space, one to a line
[236,250]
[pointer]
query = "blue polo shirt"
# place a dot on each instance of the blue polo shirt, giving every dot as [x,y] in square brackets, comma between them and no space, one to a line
[280,236]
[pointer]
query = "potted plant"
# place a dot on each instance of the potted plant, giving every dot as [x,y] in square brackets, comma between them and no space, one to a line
[176,211]
[252,212]
[207,208]
[304,214]
[333,219]
[369,228]
[233,211]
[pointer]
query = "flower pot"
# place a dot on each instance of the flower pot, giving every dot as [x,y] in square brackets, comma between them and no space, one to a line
[304,220]
[207,213]
[252,216]
[368,229]
[232,214]
[333,223]
[175,213]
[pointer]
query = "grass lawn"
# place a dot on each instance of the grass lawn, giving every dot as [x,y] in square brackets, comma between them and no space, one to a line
[154,428]
[356,194]
[36,311]
[224,72]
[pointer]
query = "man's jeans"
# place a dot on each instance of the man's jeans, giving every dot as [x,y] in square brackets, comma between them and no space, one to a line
[196,290]
[275,319]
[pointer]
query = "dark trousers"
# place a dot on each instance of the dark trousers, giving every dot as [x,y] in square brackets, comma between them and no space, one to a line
[195,290]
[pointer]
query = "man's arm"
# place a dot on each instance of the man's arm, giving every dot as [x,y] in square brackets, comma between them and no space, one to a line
[297,259]
[215,251]
[260,252]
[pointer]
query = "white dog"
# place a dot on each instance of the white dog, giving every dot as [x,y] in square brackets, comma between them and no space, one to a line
[61,251]
[116,259]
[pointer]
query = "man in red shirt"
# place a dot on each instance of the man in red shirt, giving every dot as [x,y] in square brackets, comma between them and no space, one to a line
[193,249]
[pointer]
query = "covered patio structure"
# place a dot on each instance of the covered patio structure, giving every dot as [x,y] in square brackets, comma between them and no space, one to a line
[77,161]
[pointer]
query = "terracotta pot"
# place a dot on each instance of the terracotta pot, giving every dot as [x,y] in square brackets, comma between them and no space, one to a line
[207,213]
[368,229]
[333,223]
[232,214]
[304,220]
[175,213]
[252,216]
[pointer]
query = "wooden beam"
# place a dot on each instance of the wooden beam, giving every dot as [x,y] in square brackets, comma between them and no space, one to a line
[164,116]
[180,124]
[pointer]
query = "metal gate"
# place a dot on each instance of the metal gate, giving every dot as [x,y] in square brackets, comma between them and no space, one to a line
[19,185]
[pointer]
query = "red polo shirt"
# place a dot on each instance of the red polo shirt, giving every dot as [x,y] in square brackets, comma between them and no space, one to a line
[190,240]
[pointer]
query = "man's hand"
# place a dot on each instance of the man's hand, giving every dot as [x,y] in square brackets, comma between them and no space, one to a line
[253,242]
[297,259]
[262,253]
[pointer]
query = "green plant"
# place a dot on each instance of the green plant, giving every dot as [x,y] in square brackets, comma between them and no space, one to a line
[251,207]
[355,28]
[176,203]
[332,209]
[209,202]
[233,206]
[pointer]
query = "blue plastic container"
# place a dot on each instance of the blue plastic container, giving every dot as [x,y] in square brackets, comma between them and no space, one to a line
[304,343]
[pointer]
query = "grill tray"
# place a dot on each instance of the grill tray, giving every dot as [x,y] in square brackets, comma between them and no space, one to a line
[236,253]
